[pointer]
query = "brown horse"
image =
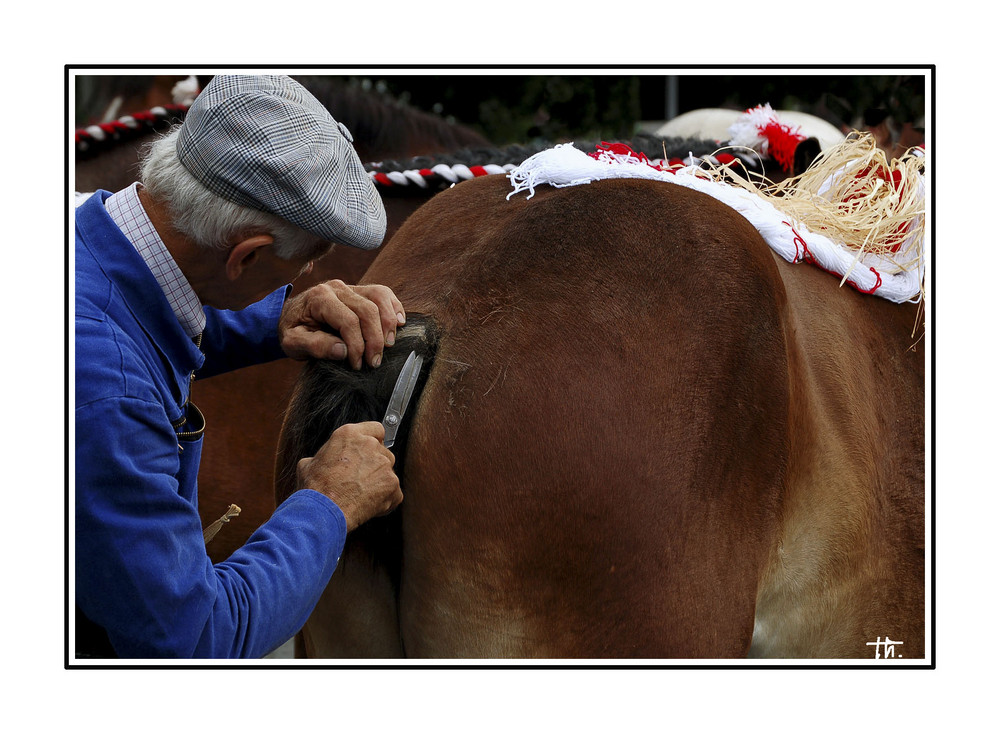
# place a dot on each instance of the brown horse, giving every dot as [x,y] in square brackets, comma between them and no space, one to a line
[643,435]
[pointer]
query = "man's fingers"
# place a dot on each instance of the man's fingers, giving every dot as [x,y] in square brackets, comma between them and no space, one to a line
[353,432]
[364,318]
[392,503]
[337,313]
[370,321]
[354,470]
[358,320]
[390,308]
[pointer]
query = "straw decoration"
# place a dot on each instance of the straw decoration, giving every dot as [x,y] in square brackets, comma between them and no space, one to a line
[853,195]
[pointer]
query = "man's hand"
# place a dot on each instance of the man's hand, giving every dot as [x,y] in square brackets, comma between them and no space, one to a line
[333,320]
[354,470]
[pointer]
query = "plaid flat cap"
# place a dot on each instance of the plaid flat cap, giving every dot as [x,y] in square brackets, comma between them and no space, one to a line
[265,142]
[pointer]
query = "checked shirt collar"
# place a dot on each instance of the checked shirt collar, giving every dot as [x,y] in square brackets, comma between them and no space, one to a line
[128,213]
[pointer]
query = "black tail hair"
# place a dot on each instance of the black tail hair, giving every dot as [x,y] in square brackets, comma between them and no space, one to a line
[331,394]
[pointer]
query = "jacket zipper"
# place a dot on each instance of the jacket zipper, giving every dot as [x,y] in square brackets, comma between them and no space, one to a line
[189,435]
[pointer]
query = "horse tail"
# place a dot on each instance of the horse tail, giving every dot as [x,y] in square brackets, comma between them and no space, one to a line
[330,394]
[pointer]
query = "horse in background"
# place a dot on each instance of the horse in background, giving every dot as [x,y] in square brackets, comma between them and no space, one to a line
[643,434]
[714,123]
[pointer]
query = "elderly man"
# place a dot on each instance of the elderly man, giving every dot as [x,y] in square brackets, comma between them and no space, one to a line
[177,276]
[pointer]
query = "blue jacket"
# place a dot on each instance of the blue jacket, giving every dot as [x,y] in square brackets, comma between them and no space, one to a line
[142,572]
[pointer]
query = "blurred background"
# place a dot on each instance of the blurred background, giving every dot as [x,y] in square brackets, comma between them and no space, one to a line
[511,108]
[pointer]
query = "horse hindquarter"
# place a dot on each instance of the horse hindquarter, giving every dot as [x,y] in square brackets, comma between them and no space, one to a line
[596,462]
[643,436]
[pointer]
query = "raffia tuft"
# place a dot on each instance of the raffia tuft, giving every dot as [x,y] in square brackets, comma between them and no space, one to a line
[848,195]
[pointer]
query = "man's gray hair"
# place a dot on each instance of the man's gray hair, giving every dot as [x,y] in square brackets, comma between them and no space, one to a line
[209,220]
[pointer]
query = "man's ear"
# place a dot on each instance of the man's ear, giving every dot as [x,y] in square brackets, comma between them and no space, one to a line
[245,253]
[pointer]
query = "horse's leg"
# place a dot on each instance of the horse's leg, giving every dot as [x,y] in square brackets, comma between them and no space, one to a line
[847,568]
[356,616]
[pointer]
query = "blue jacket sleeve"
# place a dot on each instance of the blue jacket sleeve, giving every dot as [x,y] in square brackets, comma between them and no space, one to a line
[142,571]
[235,339]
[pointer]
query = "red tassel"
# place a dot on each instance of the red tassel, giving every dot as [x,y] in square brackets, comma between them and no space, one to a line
[781,144]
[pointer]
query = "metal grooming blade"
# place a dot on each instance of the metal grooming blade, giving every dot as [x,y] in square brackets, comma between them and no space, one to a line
[401,394]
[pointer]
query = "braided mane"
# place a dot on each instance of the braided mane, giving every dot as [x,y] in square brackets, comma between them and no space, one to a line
[425,175]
